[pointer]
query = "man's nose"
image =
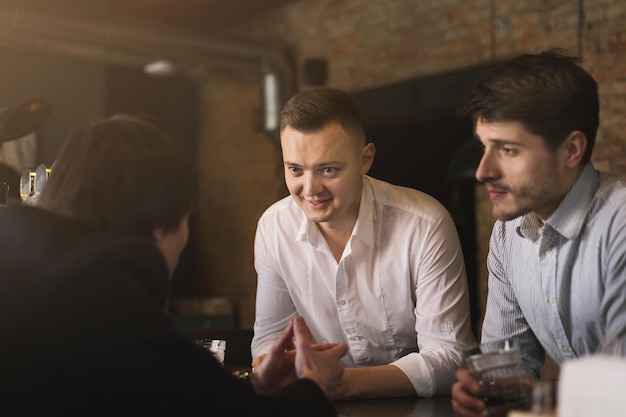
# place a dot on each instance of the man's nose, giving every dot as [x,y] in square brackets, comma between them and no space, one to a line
[311,185]
[487,170]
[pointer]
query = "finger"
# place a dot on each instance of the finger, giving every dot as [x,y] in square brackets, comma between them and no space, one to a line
[461,411]
[307,335]
[467,381]
[339,350]
[310,337]
[323,346]
[463,400]
[302,334]
[257,361]
[318,347]
[284,341]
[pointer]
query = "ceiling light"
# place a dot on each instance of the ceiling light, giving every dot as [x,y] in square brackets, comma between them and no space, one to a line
[160,68]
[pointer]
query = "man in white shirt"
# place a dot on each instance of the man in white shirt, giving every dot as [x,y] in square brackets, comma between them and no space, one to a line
[376,265]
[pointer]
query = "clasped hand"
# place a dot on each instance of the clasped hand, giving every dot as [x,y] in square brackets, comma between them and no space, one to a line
[295,354]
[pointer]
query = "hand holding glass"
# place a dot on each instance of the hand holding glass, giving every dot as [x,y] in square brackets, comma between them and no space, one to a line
[498,370]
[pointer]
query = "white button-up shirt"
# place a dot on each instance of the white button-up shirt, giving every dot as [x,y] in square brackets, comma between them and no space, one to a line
[398,294]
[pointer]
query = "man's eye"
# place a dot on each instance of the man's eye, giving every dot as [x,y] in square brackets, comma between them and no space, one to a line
[329,170]
[294,170]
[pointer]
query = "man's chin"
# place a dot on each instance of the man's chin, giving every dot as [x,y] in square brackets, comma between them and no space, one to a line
[506,215]
[317,217]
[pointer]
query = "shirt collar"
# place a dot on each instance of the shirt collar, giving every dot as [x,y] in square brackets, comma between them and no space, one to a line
[363,228]
[570,216]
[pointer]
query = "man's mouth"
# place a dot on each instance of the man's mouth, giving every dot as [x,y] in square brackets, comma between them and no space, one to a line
[496,193]
[317,204]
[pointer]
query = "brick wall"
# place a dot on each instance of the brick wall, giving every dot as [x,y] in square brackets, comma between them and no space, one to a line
[370,43]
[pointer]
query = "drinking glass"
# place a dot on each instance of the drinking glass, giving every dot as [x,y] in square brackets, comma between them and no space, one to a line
[41,177]
[27,182]
[216,346]
[497,367]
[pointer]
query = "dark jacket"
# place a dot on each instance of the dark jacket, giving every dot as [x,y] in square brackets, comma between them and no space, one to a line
[84,332]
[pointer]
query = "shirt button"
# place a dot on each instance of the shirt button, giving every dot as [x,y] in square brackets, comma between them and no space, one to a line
[341,302]
[549,252]
[354,338]
[550,300]
[564,348]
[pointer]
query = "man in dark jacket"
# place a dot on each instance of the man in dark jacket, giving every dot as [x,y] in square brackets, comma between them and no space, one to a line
[84,277]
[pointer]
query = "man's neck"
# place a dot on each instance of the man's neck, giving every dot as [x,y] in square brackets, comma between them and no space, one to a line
[336,237]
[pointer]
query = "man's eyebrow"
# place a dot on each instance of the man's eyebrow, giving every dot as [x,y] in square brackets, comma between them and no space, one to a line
[319,165]
[505,142]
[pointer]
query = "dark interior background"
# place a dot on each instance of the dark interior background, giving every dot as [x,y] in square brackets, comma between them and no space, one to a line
[173,102]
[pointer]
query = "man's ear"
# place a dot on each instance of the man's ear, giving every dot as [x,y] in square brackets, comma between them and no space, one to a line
[574,147]
[367,157]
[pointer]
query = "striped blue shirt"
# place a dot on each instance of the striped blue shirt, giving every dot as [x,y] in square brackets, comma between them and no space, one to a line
[561,286]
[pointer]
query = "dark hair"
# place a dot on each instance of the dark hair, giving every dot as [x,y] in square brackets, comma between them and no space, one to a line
[314,108]
[122,175]
[548,92]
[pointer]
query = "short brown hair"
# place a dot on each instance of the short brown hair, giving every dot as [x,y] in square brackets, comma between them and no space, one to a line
[548,92]
[314,108]
[122,175]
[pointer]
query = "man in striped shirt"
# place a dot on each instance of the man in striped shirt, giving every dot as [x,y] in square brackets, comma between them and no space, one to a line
[557,254]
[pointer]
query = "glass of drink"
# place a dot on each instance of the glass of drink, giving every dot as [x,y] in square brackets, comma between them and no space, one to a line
[216,346]
[497,367]
[41,177]
[27,182]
